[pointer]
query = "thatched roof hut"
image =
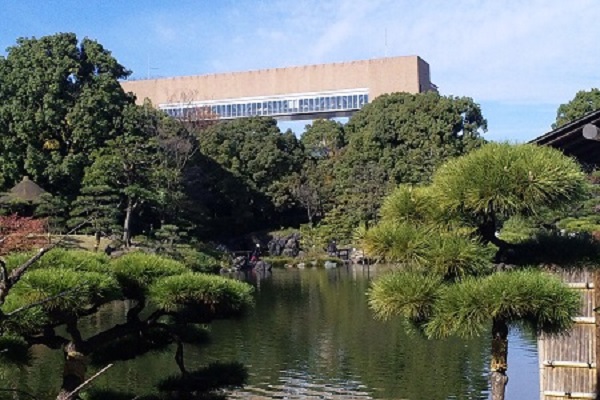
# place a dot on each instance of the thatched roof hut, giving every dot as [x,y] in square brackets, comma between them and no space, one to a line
[24,191]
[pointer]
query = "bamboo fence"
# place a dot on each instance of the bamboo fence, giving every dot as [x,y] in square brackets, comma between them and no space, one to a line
[568,362]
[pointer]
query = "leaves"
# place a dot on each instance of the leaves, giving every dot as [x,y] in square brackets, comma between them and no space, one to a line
[59,101]
[501,180]
[584,102]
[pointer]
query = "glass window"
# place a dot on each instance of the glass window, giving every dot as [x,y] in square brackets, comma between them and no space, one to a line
[354,101]
[366,98]
[311,105]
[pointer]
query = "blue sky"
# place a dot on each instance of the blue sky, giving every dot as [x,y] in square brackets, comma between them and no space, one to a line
[518,59]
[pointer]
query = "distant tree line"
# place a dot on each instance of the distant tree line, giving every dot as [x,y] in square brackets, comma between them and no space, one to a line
[66,122]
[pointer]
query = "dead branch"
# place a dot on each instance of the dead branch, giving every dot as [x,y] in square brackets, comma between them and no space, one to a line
[84,384]
[18,272]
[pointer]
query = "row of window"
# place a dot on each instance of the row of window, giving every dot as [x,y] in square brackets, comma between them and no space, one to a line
[273,108]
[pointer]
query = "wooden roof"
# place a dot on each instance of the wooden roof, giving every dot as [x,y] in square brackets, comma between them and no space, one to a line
[569,138]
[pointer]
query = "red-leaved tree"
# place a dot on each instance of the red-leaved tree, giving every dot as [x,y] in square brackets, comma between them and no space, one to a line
[20,233]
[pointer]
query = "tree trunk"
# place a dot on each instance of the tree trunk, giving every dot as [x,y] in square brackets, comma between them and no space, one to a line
[498,378]
[73,372]
[127,223]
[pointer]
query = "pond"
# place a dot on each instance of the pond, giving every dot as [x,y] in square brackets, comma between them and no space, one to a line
[312,335]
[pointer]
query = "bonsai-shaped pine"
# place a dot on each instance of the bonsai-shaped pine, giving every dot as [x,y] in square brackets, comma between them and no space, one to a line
[66,285]
[444,237]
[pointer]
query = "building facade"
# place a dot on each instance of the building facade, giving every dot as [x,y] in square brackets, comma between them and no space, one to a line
[304,92]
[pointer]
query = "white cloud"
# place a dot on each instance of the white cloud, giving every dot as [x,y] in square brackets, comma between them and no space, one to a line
[511,51]
[491,50]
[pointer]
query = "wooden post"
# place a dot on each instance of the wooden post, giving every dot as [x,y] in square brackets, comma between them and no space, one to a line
[597,328]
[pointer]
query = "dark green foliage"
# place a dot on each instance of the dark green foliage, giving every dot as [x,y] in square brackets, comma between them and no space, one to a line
[555,249]
[97,203]
[456,256]
[55,210]
[59,101]
[528,297]
[254,150]
[323,138]
[408,294]
[501,180]
[201,296]
[82,290]
[398,138]
[77,260]
[409,135]
[14,350]
[199,261]
[401,243]
[279,262]
[137,271]
[583,103]
[244,177]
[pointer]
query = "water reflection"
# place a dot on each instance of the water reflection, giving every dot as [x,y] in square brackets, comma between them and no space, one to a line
[311,335]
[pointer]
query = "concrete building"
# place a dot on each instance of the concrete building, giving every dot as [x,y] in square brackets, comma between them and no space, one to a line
[304,92]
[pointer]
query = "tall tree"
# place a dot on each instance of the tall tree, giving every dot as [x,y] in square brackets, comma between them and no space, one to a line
[130,165]
[60,100]
[323,138]
[442,236]
[255,150]
[402,138]
[256,164]
[584,102]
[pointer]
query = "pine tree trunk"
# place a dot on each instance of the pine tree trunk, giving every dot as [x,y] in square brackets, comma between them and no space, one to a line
[73,372]
[498,378]
[127,223]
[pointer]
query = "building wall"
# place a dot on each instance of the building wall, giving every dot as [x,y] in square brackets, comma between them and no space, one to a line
[383,75]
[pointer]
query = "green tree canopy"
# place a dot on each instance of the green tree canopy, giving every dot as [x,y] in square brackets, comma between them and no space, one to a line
[440,237]
[501,180]
[60,100]
[583,103]
[401,138]
[409,135]
[323,138]
[64,286]
[256,151]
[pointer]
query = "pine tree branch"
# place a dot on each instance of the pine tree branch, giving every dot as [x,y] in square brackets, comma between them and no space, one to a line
[43,301]
[17,273]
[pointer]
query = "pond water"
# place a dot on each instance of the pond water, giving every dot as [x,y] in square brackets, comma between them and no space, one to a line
[312,336]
